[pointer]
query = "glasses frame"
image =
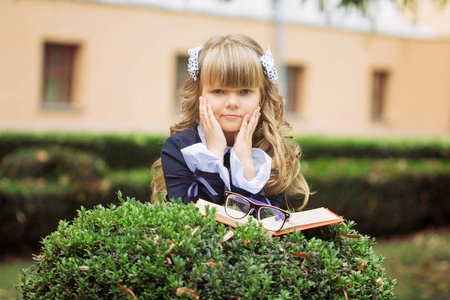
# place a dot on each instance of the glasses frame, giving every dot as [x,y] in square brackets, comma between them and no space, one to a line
[255,206]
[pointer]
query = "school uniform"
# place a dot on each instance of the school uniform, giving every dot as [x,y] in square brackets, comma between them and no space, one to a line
[191,171]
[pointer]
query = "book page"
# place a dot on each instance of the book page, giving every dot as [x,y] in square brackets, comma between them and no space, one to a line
[299,220]
[310,217]
[221,215]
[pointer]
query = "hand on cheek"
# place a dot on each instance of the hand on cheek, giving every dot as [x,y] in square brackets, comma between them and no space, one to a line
[215,139]
[243,143]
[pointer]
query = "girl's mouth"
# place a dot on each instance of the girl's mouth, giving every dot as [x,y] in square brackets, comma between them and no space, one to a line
[231,116]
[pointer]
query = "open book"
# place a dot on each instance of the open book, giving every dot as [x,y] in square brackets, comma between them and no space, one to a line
[298,221]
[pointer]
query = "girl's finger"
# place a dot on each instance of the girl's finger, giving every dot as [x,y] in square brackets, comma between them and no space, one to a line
[244,124]
[209,110]
[205,112]
[201,110]
[254,119]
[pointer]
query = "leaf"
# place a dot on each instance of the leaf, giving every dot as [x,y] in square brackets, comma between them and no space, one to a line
[39,257]
[127,291]
[195,230]
[151,237]
[168,262]
[380,281]
[362,265]
[345,294]
[302,266]
[246,243]
[172,245]
[302,255]
[210,263]
[182,290]
[350,236]
[227,236]
[235,297]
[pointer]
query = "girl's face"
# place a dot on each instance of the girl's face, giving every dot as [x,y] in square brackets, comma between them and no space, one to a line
[230,104]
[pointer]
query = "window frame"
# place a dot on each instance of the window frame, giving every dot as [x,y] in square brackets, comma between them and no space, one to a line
[64,76]
[379,94]
[295,102]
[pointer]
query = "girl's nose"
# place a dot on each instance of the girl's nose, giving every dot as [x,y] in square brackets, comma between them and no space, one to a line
[232,102]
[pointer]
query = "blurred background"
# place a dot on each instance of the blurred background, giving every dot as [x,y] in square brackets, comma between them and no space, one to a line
[88,93]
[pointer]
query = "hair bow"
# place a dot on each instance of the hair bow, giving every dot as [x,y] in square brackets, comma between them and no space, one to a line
[269,65]
[193,61]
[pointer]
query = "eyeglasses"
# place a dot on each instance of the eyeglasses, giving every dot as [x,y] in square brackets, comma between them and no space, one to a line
[271,217]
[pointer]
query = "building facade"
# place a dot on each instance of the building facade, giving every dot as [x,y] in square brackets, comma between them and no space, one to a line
[106,66]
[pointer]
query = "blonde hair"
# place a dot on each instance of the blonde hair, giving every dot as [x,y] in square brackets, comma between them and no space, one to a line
[233,61]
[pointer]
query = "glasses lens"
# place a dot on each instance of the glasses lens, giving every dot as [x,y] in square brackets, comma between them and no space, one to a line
[271,218]
[236,207]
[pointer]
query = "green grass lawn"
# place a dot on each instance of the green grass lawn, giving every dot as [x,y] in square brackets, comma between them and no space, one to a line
[9,275]
[420,263]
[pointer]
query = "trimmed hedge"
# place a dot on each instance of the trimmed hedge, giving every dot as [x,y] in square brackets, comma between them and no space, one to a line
[406,194]
[118,151]
[384,197]
[136,151]
[389,208]
[327,147]
[39,186]
[52,163]
[144,251]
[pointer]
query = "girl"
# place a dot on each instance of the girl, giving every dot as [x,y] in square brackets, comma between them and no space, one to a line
[232,135]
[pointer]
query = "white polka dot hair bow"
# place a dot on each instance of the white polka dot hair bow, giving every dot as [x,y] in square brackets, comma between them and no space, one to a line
[193,61]
[269,65]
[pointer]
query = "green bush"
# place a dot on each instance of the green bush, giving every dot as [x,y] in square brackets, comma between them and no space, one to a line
[53,163]
[406,195]
[131,182]
[164,251]
[327,147]
[118,151]
[130,151]
[40,186]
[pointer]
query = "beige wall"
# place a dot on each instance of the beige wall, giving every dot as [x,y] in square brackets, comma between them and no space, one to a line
[424,89]
[434,14]
[126,72]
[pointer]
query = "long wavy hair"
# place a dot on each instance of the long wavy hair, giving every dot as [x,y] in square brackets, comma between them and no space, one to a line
[233,61]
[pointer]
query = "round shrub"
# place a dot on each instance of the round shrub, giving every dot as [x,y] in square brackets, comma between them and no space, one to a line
[51,163]
[161,251]
[40,186]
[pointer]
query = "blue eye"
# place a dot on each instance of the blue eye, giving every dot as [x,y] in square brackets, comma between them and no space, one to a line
[218,92]
[245,92]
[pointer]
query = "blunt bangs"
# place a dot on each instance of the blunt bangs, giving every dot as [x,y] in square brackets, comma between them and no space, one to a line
[231,65]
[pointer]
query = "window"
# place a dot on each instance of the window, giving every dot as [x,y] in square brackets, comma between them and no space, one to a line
[294,81]
[182,75]
[58,75]
[379,94]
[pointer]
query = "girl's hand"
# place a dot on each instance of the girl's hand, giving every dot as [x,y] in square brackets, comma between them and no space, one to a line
[215,139]
[243,143]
